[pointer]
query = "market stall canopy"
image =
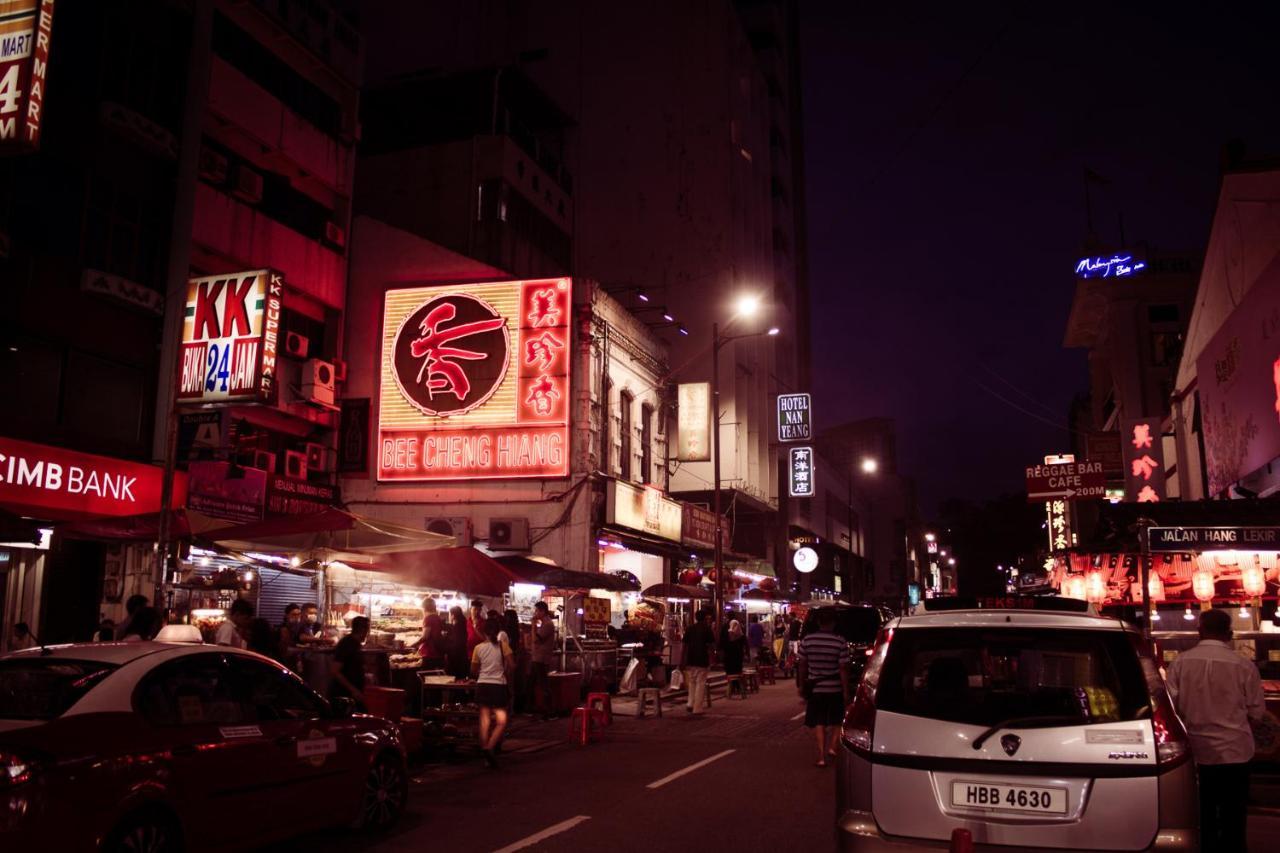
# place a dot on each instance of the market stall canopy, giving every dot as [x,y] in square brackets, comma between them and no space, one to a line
[551,575]
[183,523]
[676,590]
[333,534]
[461,569]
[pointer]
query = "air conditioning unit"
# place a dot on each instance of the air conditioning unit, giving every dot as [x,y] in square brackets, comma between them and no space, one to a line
[265,461]
[318,457]
[214,167]
[318,382]
[334,235]
[339,370]
[295,465]
[459,527]
[297,345]
[248,185]
[509,534]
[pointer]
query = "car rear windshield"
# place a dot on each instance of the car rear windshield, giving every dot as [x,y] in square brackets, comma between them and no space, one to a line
[44,688]
[986,676]
[857,624]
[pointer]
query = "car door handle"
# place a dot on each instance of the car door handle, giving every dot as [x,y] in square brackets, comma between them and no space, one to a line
[285,741]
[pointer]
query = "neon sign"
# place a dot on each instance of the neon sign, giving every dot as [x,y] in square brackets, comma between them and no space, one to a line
[1115,266]
[800,472]
[1145,475]
[475,381]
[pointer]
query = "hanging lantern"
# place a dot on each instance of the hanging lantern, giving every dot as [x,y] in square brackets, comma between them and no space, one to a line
[1095,587]
[1202,584]
[1073,586]
[690,577]
[1155,587]
[1254,580]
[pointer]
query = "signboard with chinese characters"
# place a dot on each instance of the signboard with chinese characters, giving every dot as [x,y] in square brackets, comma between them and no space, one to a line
[794,417]
[1144,457]
[643,508]
[693,420]
[1058,525]
[596,613]
[1239,381]
[800,482]
[26,34]
[1105,447]
[1111,266]
[1066,480]
[475,381]
[230,338]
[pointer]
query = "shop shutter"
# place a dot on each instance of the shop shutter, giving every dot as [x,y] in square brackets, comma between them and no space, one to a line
[276,589]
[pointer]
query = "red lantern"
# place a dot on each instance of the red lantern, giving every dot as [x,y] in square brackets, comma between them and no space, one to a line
[1254,580]
[690,577]
[1202,584]
[1155,586]
[768,584]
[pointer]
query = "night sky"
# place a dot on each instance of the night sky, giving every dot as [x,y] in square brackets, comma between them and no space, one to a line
[945,155]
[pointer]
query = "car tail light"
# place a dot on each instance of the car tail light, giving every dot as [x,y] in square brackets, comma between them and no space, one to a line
[14,770]
[860,720]
[1172,746]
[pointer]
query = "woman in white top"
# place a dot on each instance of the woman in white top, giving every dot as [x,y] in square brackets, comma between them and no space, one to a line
[491,662]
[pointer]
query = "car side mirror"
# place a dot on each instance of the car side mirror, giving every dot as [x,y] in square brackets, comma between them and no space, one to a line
[342,706]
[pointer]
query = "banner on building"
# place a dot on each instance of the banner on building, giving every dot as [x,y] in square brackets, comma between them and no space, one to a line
[230,338]
[475,381]
[223,490]
[800,482]
[698,528]
[644,509]
[291,496]
[1144,455]
[1239,382]
[26,34]
[693,421]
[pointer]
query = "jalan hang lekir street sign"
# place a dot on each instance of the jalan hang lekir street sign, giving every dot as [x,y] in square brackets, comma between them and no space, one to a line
[1066,481]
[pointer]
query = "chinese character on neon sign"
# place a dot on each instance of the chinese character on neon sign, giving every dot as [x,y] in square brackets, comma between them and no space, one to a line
[1115,266]
[451,354]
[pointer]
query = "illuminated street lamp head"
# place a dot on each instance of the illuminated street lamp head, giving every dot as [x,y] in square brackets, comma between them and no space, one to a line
[870,466]
[748,306]
[929,537]
[951,561]
[773,332]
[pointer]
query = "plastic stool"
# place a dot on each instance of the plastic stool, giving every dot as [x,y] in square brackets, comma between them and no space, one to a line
[602,702]
[767,674]
[649,694]
[751,681]
[585,724]
[732,681]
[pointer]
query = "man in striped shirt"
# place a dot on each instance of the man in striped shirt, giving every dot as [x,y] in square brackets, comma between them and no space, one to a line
[823,679]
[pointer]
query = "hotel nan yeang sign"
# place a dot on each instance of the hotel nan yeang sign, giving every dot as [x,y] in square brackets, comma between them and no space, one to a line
[231,338]
[475,381]
[795,419]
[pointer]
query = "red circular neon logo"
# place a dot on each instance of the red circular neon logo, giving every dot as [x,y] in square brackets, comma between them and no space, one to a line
[451,354]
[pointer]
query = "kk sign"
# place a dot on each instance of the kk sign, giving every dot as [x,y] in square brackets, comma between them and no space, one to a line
[794,417]
[26,32]
[230,338]
[475,381]
[800,472]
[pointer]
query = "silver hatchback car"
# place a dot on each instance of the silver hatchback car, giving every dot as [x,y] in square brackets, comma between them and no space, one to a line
[1029,729]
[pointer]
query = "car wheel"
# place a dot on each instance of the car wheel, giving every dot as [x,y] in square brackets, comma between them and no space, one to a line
[386,790]
[146,833]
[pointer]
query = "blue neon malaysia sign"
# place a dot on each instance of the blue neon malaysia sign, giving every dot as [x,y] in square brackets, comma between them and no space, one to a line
[1114,266]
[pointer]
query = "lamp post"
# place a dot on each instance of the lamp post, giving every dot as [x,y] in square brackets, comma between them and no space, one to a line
[747,307]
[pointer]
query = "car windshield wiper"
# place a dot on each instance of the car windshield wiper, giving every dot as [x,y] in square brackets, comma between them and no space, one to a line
[1022,723]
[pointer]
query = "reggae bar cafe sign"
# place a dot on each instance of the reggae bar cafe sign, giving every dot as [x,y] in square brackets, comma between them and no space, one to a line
[1066,481]
[230,338]
[475,381]
[26,34]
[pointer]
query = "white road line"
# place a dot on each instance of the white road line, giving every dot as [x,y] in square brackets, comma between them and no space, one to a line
[692,767]
[797,716]
[529,841]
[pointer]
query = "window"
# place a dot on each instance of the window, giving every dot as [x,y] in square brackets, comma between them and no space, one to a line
[123,232]
[646,444]
[624,433]
[606,418]
[190,691]
[45,688]
[272,692]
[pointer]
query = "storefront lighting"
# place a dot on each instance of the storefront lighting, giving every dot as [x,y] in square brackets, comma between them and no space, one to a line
[296,561]
[642,296]
[1155,615]
[682,330]
[205,561]
[1244,612]
[667,316]
[929,537]
[527,590]
[1188,615]
[248,576]
[1155,587]
[1073,586]
[207,613]
[1202,585]
[1254,580]
[1095,587]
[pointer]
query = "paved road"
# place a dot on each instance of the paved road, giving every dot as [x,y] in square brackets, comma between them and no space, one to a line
[739,779]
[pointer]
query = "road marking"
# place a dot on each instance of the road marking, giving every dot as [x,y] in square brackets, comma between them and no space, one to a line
[692,767]
[529,841]
[797,716]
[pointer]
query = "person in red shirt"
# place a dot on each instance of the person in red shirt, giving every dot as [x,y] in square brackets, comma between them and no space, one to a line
[475,627]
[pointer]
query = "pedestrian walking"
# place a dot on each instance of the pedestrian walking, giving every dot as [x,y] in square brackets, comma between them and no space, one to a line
[822,677]
[698,643]
[1217,692]
[755,640]
[491,666]
[733,649]
[543,639]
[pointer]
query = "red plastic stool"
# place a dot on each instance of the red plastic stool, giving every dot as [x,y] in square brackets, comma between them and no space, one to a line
[586,723]
[602,702]
[767,674]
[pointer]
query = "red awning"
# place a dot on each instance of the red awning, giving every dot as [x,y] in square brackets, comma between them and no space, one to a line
[462,569]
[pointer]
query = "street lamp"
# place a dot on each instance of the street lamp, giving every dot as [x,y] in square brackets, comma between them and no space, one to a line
[869,465]
[747,306]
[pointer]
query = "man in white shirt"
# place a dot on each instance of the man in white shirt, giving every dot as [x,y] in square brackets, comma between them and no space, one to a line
[235,627]
[1217,692]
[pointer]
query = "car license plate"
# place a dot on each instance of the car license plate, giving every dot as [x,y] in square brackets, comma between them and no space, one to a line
[1009,798]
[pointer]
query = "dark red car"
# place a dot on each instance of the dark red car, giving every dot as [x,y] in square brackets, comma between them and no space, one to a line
[162,747]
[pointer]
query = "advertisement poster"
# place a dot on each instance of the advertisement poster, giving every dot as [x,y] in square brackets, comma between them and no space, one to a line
[223,491]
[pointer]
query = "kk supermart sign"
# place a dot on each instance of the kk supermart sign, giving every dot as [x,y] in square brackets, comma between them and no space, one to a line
[231,338]
[58,484]
[475,381]
[26,34]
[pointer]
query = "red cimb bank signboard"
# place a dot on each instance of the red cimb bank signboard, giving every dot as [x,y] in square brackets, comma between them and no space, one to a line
[230,338]
[475,381]
[59,484]
[26,32]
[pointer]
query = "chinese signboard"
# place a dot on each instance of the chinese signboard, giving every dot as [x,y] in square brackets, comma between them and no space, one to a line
[1058,525]
[794,417]
[1105,447]
[26,32]
[58,484]
[595,618]
[1067,481]
[800,472]
[1213,538]
[230,338]
[699,528]
[475,381]
[643,508]
[1239,381]
[1144,454]
[693,414]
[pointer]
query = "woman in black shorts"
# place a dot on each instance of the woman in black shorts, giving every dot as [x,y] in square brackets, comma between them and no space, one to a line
[491,664]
